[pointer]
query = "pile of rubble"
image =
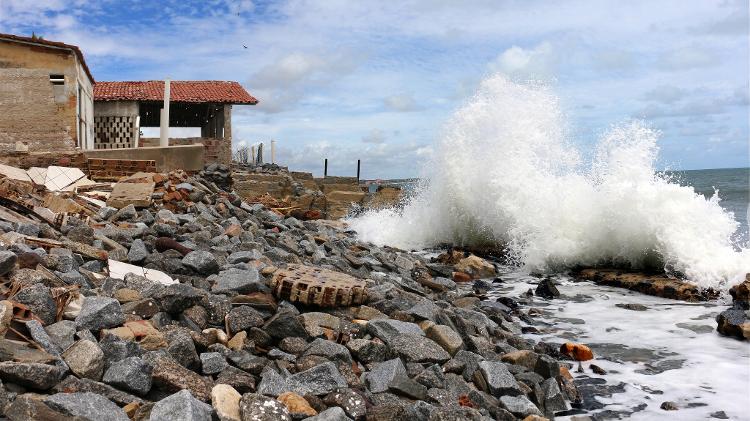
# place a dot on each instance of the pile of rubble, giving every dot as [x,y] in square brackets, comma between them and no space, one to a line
[166,297]
[328,197]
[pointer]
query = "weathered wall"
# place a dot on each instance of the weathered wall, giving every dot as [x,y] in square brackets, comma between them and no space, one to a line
[44,159]
[188,157]
[216,150]
[116,124]
[35,112]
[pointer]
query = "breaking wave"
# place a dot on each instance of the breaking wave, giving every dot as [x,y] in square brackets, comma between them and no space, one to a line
[505,172]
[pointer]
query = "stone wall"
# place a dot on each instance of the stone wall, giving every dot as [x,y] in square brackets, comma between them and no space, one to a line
[34,111]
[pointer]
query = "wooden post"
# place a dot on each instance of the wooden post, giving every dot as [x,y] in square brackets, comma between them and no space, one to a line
[325,168]
[358,166]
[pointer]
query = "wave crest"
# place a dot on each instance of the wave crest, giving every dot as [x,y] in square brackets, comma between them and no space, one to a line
[504,172]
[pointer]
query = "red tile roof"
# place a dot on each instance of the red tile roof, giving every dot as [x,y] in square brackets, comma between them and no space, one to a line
[50,44]
[179,91]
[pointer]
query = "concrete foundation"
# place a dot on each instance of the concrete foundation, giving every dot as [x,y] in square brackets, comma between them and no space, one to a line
[170,158]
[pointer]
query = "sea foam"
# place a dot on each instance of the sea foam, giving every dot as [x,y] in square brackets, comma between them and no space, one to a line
[506,172]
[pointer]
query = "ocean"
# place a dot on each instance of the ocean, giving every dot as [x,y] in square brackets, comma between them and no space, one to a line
[733,187]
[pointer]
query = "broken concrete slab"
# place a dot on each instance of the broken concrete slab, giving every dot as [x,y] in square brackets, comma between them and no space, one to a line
[14,173]
[317,286]
[118,270]
[57,178]
[136,194]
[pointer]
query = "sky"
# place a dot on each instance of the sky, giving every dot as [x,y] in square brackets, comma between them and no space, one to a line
[377,80]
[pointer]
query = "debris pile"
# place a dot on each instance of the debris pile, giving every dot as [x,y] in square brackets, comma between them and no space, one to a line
[167,296]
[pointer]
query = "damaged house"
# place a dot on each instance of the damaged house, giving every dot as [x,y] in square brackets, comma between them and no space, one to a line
[53,113]
[46,96]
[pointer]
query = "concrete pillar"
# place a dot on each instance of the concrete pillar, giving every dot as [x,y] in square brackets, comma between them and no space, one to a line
[228,122]
[164,117]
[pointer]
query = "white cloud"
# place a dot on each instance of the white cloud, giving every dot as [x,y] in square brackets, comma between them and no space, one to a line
[665,94]
[376,136]
[613,59]
[519,63]
[401,103]
[687,58]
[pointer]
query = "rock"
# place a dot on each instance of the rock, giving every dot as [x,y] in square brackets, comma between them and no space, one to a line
[547,366]
[86,406]
[368,351]
[741,294]
[242,318]
[85,359]
[383,374]
[331,414]
[319,324]
[734,322]
[62,333]
[40,336]
[634,307]
[552,397]
[171,376]
[237,342]
[519,406]
[212,362]
[350,401]
[99,313]
[181,406]
[669,406]
[31,406]
[202,262]
[578,352]
[405,386]
[419,349]
[240,380]
[131,374]
[128,213]
[6,314]
[524,357]
[254,407]
[38,298]
[237,281]
[446,337]
[116,349]
[242,257]
[72,384]
[7,262]
[138,252]
[226,402]
[176,298]
[33,375]
[182,348]
[329,349]
[476,267]
[431,377]
[386,329]
[284,324]
[495,378]
[319,380]
[297,406]
[547,289]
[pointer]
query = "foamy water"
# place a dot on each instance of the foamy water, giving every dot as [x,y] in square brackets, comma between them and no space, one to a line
[670,352]
[505,171]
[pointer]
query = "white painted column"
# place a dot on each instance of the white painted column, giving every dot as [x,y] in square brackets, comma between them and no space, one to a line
[164,117]
[273,151]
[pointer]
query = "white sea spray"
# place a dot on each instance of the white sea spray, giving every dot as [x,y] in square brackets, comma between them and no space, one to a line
[505,171]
